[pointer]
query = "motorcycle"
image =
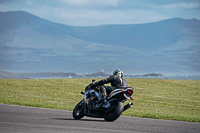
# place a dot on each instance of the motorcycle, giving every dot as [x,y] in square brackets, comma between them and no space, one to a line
[110,110]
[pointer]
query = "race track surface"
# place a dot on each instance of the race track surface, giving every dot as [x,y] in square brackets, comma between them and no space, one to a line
[37,120]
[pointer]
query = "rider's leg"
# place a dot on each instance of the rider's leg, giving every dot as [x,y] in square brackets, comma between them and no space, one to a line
[103,94]
[104,90]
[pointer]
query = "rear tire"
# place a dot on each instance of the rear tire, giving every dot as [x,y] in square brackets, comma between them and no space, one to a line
[115,113]
[78,111]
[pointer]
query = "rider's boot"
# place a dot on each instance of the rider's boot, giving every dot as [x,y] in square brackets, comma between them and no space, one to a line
[99,103]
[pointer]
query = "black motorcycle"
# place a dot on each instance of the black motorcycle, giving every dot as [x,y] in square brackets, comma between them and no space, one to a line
[110,110]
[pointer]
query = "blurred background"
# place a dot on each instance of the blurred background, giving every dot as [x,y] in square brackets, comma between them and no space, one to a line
[89,36]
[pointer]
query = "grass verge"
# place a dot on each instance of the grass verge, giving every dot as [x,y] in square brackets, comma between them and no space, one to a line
[154,98]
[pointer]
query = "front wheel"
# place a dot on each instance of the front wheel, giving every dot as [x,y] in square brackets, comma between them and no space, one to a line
[115,112]
[78,111]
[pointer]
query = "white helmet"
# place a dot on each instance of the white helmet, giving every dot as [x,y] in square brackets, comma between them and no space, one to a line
[119,73]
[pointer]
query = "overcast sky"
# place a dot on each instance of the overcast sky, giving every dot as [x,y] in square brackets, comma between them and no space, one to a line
[100,12]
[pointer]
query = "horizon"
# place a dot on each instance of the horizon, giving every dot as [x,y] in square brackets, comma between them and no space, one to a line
[68,75]
[107,72]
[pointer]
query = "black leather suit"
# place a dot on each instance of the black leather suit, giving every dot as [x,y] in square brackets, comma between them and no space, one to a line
[116,83]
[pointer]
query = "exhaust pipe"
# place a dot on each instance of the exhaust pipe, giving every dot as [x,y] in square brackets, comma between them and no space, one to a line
[128,106]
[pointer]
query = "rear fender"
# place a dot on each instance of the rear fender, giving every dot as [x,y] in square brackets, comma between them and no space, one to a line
[117,94]
[120,94]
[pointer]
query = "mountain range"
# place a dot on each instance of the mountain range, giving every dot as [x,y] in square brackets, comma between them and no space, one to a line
[32,44]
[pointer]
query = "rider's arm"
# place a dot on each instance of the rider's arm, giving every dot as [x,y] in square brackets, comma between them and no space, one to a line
[102,82]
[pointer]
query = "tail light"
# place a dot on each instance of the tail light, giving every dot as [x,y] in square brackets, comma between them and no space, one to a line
[129,92]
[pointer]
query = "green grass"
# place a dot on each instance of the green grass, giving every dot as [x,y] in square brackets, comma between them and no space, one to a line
[154,98]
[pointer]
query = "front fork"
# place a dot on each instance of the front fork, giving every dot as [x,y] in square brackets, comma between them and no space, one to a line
[84,106]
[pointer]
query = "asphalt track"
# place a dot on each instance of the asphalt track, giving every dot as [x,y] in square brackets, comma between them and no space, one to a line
[38,120]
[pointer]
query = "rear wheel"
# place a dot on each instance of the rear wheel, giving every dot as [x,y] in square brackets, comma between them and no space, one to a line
[115,112]
[78,111]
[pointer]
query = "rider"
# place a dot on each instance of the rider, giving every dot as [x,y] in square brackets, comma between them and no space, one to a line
[116,81]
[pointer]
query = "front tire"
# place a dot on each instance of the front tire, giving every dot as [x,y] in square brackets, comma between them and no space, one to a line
[78,111]
[115,113]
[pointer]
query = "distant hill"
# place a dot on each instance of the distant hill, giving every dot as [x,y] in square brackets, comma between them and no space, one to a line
[156,35]
[32,44]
